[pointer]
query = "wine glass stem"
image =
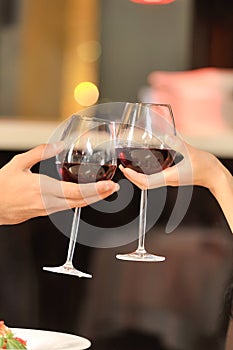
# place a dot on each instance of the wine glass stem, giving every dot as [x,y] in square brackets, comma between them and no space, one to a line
[142,222]
[73,236]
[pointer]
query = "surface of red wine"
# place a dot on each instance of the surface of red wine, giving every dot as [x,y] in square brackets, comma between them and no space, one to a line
[145,160]
[86,173]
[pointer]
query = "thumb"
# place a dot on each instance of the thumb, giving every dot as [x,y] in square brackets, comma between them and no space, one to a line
[41,152]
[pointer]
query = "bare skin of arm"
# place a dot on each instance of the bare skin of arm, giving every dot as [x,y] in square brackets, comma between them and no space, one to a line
[229,337]
[25,195]
[196,168]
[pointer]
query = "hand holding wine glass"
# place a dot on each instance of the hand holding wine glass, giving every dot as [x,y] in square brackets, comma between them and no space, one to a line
[197,167]
[26,195]
[88,156]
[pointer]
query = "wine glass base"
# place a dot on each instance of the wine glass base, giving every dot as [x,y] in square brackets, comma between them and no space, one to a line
[67,270]
[144,257]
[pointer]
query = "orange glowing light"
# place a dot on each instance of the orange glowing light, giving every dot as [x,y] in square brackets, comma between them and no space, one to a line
[86,93]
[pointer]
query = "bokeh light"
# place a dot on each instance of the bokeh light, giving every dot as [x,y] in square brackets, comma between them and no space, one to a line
[86,93]
[89,51]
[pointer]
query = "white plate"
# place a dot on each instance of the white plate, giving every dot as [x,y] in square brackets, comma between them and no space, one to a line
[46,340]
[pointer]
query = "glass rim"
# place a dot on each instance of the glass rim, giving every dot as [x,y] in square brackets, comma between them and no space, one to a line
[151,104]
[85,117]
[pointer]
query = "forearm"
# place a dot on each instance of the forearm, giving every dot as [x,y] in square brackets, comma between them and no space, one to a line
[222,190]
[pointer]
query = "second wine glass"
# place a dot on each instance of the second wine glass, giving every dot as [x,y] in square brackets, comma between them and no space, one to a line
[140,147]
[88,156]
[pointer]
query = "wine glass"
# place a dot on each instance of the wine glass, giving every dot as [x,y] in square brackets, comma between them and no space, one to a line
[88,156]
[140,147]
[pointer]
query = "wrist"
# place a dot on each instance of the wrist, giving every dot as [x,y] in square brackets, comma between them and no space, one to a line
[221,181]
[222,190]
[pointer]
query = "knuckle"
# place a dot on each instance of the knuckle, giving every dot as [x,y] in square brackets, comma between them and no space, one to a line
[16,159]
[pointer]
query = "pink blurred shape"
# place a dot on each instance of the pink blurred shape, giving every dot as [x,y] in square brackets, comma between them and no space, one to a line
[201,99]
[153,2]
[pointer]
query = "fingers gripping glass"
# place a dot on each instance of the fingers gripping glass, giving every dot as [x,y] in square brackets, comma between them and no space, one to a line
[88,156]
[140,147]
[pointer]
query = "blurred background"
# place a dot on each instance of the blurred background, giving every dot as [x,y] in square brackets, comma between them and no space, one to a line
[59,56]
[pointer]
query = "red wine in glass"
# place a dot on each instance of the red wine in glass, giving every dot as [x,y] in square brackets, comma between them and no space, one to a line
[141,147]
[146,160]
[88,157]
[86,173]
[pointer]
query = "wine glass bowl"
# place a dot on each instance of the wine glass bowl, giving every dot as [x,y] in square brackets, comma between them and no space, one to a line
[147,159]
[140,146]
[88,156]
[89,159]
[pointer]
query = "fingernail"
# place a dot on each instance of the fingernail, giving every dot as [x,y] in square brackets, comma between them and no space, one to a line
[117,187]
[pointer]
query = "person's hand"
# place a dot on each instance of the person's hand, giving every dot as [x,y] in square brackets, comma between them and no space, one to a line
[196,168]
[25,195]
